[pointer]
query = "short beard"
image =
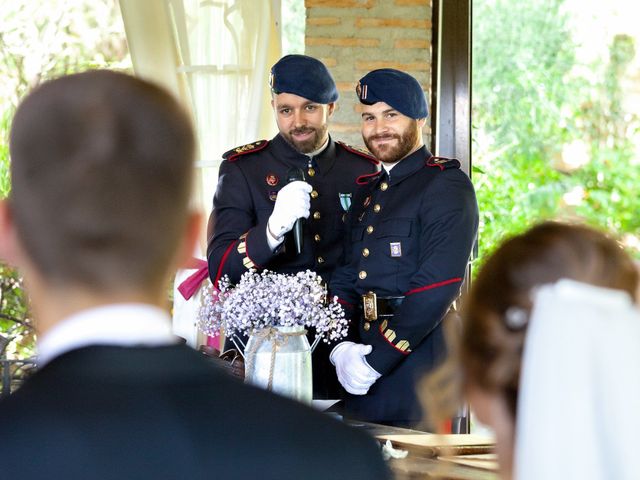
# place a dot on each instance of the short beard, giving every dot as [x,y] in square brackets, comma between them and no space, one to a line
[307,146]
[393,154]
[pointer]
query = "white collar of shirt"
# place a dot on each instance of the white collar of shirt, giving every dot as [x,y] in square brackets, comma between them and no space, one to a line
[318,151]
[120,324]
[388,166]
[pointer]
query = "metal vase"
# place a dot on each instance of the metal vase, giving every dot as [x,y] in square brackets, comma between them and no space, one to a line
[279,359]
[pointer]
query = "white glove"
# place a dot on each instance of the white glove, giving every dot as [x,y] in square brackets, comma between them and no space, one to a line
[354,373]
[293,202]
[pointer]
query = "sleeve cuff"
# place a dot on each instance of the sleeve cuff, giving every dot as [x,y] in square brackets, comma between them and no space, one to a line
[273,242]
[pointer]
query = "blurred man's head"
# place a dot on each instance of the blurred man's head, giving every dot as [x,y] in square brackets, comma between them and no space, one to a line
[101,168]
[303,98]
[394,110]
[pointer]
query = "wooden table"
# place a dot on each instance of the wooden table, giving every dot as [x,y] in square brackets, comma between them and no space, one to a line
[455,457]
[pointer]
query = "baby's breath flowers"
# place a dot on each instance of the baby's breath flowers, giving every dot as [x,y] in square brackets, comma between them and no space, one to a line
[267,299]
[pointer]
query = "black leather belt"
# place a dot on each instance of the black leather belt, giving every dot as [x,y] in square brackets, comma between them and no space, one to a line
[374,307]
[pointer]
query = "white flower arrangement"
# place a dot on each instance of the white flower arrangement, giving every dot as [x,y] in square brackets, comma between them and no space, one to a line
[267,299]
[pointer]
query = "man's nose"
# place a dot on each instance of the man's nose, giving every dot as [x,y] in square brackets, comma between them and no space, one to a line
[299,118]
[380,126]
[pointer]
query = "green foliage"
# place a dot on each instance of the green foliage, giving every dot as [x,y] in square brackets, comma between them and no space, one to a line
[522,55]
[44,39]
[16,327]
[5,180]
[293,26]
[549,142]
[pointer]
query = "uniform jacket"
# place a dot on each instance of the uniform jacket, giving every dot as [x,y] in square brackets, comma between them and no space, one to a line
[104,412]
[248,184]
[411,235]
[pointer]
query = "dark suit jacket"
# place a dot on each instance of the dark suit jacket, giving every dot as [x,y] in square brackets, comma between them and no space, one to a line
[106,412]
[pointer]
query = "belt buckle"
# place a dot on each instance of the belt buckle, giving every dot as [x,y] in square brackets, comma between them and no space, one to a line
[370,306]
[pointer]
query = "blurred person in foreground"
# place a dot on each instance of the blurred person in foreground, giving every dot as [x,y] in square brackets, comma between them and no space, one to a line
[551,354]
[411,229]
[98,220]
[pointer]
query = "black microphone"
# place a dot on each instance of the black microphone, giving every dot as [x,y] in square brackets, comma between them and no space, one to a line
[296,174]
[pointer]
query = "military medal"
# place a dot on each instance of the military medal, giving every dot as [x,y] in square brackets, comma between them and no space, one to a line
[367,201]
[396,249]
[272,180]
[273,195]
[345,201]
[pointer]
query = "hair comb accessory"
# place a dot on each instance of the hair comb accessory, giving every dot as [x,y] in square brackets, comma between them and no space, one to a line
[516,318]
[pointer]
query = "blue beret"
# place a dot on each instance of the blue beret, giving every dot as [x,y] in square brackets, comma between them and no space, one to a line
[395,88]
[304,76]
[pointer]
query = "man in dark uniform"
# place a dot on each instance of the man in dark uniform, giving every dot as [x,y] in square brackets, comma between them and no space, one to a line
[258,201]
[412,227]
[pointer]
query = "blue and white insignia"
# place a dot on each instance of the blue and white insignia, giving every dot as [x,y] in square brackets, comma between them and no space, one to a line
[396,249]
[345,201]
[273,195]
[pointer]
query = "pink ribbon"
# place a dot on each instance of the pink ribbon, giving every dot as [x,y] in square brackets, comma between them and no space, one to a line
[192,283]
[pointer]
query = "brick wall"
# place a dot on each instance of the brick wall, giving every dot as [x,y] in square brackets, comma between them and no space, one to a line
[353,37]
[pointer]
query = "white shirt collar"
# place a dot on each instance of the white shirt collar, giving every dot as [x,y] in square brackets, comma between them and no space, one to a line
[388,166]
[119,324]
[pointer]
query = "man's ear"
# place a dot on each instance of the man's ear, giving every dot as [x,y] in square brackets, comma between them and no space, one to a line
[190,239]
[9,243]
[332,107]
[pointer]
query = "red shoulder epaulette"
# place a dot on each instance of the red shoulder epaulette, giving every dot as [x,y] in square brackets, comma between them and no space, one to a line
[443,163]
[233,154]
[359,151]
[364,179]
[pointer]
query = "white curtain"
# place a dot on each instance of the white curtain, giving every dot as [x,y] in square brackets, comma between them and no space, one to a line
[216,56]
[227,48]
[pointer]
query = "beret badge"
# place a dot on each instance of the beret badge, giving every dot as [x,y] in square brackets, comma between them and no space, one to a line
[361,91]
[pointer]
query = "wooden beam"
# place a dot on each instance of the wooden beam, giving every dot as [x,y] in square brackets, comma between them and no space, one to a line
[451,98]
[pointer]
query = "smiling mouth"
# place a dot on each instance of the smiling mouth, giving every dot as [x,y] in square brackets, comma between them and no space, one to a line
[383,140]
[302,133]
